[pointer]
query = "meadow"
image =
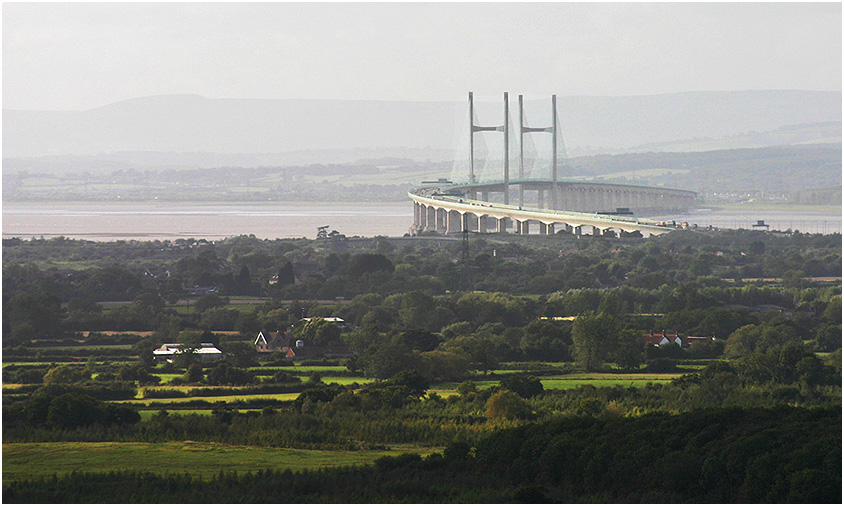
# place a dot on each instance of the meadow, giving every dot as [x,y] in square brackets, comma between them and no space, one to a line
[201,460]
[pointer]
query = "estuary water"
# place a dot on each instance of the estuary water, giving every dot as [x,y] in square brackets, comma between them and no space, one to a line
[144,221]
[109,222]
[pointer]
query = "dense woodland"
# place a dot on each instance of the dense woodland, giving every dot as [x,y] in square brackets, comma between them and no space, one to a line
[711,456]
[752,415]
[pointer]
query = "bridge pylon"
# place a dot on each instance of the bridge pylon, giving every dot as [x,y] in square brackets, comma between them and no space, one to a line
[503,128]
[553,131]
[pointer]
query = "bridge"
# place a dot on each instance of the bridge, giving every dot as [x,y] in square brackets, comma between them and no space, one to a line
[550,204]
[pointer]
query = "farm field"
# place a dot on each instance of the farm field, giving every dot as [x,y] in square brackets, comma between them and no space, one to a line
[202,460]
[604,380]
[215,399]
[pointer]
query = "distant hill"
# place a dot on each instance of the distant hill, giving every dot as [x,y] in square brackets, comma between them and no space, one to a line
[776,174]
[781,169]
[192,131]
[789,135]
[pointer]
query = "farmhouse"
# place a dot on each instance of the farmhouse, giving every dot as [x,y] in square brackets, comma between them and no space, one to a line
[659,339]
[297,349]
[207,352]
[663,338]
[271,341]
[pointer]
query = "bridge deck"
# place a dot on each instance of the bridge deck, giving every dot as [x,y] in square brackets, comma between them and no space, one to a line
[430,197]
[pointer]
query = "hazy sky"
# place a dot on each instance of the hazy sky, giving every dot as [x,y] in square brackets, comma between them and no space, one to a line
[81,56]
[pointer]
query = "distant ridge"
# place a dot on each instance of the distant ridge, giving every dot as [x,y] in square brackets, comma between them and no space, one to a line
[194,124]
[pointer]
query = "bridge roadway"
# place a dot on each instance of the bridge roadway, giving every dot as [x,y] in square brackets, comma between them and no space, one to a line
[435,211]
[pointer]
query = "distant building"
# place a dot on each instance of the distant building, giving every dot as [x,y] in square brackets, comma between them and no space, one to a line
[201,290]
[659,339]
[270,341]
[663,338]
[206,352]
[297,349]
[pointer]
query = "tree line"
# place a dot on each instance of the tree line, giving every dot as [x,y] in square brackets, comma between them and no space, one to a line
[742,455]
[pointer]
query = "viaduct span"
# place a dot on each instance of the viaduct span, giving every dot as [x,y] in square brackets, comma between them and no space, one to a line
[551,205]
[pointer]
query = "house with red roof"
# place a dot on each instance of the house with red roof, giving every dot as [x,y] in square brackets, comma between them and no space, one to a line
[660,338]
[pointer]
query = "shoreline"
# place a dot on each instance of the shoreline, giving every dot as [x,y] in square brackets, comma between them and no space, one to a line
[801,208]
[797,208]
[174,203]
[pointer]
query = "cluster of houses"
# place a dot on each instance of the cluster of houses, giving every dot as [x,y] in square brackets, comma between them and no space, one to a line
[270,342]
[662,338]
[298,349]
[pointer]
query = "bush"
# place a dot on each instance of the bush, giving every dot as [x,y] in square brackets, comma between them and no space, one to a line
[525,386]
[506,404]
[661,365]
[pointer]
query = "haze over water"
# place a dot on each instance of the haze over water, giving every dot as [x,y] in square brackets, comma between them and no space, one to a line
[109,222]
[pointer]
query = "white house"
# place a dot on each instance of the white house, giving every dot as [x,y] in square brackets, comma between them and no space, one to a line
[207,352]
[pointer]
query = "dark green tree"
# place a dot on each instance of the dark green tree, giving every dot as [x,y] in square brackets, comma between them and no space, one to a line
[506,404]
[593,336]
[628,352]
[524,386]
[368,262]
[319,332]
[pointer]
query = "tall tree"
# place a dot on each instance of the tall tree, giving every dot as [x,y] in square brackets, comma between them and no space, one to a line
[593,336]
[629,350]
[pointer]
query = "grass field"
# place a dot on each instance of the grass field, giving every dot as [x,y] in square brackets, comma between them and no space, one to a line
[605,380]
[562,382]
[87,347]
[205,460]
[219,398]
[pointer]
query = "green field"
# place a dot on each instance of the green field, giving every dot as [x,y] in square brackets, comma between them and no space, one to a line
[605,380]
[213,399]
[33,460]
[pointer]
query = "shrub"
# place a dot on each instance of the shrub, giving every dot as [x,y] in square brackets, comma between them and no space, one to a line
[506,404]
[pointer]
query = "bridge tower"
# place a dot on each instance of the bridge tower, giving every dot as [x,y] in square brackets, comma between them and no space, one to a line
[553,131]
[503,128]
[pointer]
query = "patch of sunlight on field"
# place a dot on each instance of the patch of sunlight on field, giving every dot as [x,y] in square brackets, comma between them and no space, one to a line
[316,368]
[203,460]
[345,380]
[444,393]
[213,399]
[605,380]
[166,377]
[299,369]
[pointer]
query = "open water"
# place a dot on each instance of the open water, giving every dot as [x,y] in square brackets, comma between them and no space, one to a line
[108,222]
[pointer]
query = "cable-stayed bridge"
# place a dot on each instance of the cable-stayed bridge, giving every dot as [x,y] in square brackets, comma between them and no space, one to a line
[544,200]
